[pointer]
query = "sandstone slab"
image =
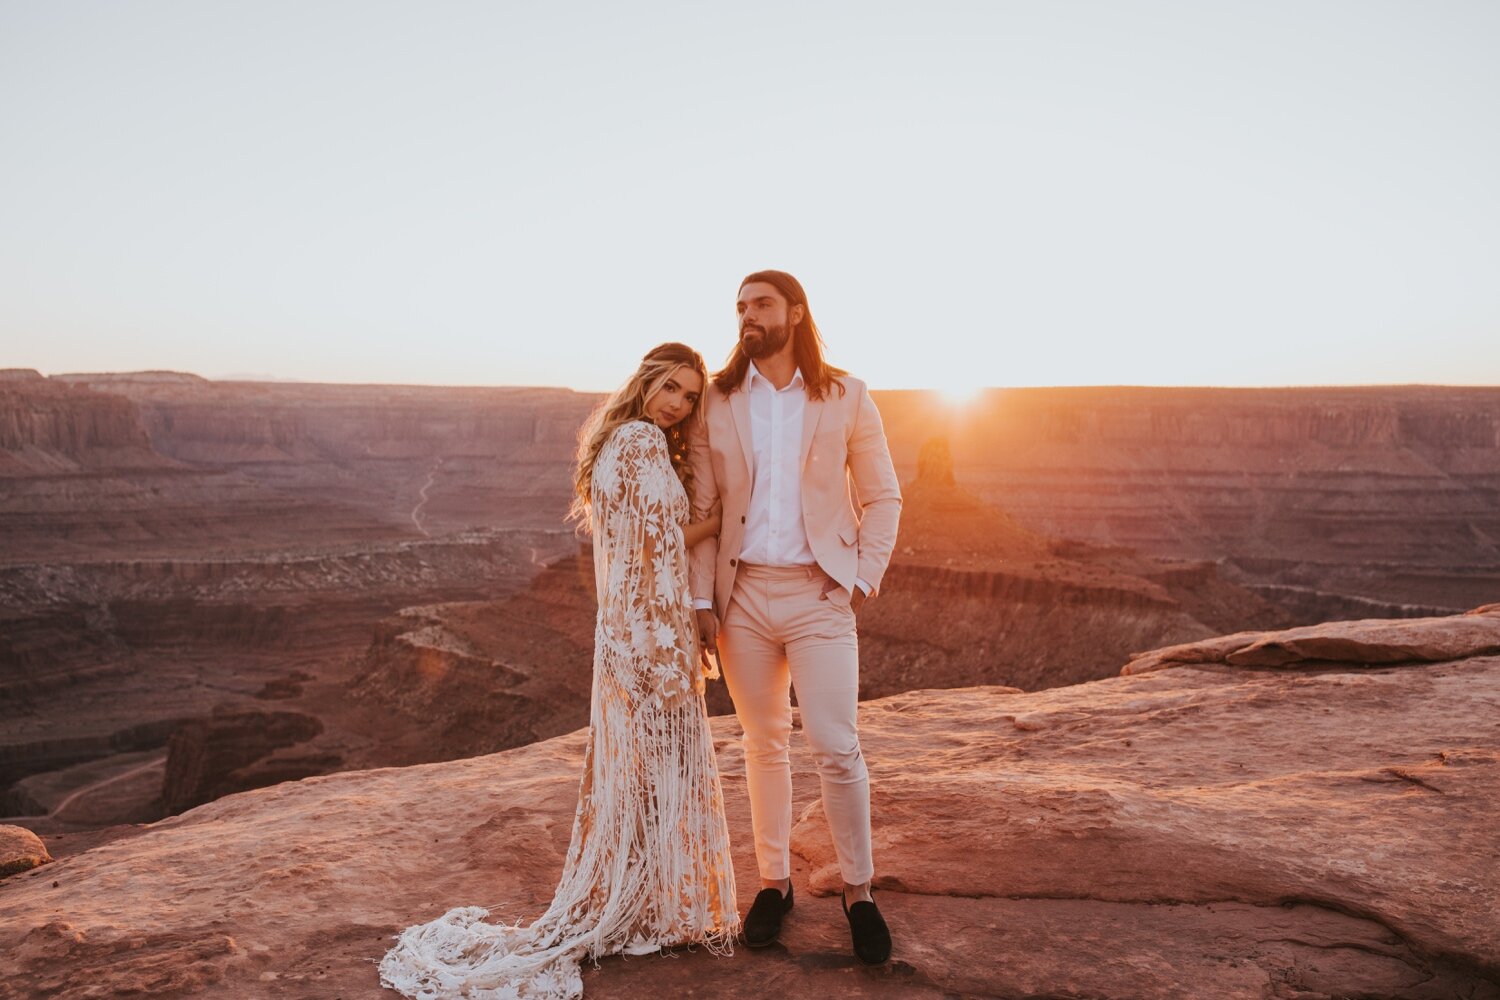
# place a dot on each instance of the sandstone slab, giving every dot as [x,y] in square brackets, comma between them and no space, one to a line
[1368,642]
[1191,832]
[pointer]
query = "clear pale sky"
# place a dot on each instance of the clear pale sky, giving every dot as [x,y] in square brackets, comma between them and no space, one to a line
[995,193]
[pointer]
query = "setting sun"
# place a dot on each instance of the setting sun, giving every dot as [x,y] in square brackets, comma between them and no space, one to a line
[961,395]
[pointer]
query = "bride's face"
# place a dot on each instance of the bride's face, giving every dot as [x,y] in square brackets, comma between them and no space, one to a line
[676,399]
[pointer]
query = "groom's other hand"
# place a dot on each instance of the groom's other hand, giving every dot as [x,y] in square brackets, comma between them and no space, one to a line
[857,598]
[708,631]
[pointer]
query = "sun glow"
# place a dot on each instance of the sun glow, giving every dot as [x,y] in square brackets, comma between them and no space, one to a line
[960,395]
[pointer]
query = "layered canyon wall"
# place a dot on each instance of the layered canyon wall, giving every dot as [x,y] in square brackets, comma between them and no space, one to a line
[1389,495]
[1384,494]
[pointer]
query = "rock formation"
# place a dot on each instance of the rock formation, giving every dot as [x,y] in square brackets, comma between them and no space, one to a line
[1309,829]
[1326,496]
[50,428]
[230,751]
[170,546]
[20,850]
[466,678]
[1367,643]
[175,464]
[1386,493]
[103,662]
[972,597]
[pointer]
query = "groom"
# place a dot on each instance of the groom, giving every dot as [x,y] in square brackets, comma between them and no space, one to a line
[777,592]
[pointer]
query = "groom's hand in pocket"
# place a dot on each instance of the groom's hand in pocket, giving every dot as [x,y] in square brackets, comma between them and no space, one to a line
[857,598]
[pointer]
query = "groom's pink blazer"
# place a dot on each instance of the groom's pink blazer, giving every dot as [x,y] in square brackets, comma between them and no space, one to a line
[851,501]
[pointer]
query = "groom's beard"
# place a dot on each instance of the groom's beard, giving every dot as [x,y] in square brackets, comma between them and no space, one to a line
[762,342]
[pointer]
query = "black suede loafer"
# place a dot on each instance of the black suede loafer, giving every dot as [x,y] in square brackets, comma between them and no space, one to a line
[763,922]
[872,938]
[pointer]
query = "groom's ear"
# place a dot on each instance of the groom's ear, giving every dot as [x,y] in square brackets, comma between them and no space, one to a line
[795,313]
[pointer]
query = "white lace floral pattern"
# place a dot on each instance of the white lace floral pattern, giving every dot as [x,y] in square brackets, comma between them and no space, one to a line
[648,866]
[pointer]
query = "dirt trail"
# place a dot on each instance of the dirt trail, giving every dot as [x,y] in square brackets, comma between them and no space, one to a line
[416,512]
[58,809]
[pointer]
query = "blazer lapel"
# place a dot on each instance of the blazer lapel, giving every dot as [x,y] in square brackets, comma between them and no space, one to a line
[739,409]
[810,417]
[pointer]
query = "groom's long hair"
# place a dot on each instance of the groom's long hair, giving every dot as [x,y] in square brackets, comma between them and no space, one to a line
[807,344]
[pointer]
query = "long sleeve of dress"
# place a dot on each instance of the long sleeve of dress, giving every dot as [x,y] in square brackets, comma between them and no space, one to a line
[641,566]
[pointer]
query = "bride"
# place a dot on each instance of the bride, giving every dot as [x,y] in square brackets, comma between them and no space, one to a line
[648,867]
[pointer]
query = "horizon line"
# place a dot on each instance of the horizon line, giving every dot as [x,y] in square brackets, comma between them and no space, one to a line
[270,379]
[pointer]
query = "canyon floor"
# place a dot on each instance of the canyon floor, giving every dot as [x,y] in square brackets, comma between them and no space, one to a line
[1308,813]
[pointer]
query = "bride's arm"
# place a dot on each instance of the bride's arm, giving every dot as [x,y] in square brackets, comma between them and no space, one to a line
[695,532]
[642,596]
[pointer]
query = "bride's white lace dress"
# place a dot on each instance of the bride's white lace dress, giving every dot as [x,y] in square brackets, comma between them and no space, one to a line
[649,865]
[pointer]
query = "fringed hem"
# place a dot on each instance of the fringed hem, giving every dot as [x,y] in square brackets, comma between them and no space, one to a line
[459,956]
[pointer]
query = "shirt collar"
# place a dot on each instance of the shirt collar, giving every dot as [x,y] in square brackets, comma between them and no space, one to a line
[795,383]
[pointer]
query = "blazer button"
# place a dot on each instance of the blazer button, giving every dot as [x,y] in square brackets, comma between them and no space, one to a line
[733,562]
[742,518]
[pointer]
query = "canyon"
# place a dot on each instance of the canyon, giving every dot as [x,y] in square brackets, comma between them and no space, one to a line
[207,587]
[1363,497]
[185,557]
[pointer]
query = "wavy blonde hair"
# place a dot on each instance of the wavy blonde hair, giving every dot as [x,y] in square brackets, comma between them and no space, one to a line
[628,403]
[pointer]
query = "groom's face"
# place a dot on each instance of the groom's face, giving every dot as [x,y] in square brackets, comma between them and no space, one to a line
[765,319]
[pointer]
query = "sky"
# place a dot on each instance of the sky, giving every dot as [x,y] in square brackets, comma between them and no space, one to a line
[992,193]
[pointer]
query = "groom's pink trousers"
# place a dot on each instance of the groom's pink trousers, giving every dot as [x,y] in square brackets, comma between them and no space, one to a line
[794,623]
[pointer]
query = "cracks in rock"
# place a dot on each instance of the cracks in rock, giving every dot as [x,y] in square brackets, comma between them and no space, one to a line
[1353,946]
[896,969]
[1406,776]
[1422,961]
[1285,903]
[1418,958]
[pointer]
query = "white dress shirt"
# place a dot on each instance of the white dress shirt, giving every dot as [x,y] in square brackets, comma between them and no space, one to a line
[774,532]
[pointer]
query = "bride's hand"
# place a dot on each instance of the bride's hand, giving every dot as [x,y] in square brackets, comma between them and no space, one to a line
[715,518]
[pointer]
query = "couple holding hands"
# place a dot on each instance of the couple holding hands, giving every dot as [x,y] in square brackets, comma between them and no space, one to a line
[738,519]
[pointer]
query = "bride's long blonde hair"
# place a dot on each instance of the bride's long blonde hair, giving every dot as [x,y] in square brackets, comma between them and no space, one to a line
[628,403]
